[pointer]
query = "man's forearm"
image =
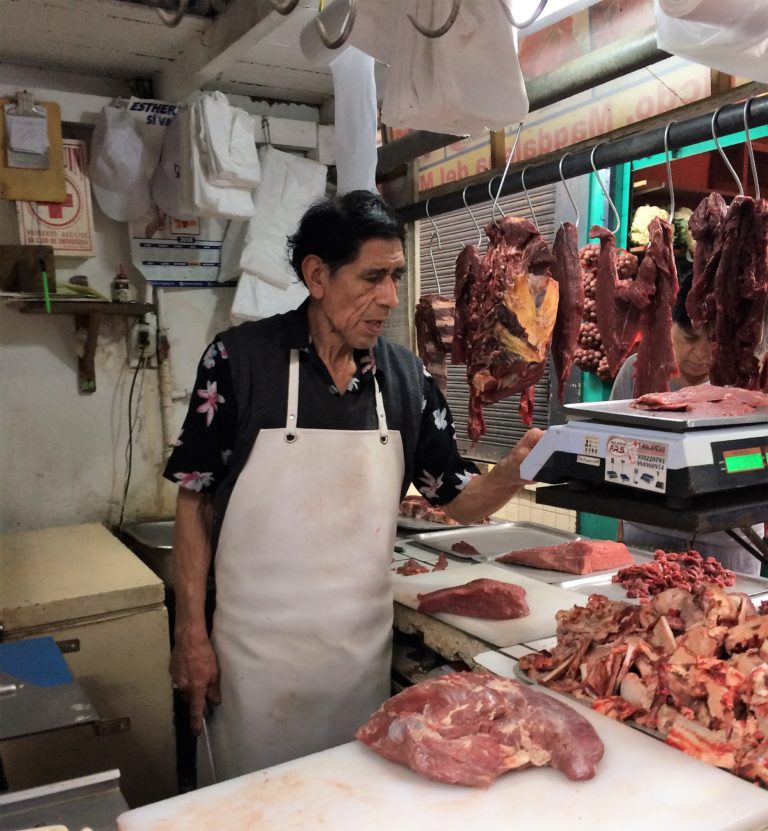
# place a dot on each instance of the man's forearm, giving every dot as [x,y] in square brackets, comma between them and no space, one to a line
[485,494]
[191,562]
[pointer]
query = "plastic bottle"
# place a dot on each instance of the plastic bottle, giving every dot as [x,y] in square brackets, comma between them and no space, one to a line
[121,287]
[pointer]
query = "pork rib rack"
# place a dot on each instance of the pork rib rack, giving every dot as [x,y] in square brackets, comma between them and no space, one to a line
[468,728]
[506,305]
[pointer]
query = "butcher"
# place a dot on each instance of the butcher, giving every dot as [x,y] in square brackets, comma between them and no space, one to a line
[693,353]
[304,432]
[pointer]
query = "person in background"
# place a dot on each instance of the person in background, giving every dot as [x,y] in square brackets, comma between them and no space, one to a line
[304,432]
[693,352]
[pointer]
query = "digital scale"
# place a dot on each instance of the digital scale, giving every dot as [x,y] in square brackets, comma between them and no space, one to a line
[671,469]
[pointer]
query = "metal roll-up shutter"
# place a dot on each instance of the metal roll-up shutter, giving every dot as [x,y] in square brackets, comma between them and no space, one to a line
[457,229]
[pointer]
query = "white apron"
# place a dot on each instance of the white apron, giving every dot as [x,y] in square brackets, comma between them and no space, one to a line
[303,622]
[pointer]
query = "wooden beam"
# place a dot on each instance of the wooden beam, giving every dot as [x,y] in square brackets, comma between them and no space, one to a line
[235,31]
[498,149]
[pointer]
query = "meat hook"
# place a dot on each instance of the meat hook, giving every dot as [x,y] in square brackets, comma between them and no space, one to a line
[528,196]
[477,227]
[495,201]
[285,7]
[504,174]
[173,18]
[722,153]
[435,233]
[750,149]
[668,162]
[568,190]
[526,23]
[442,30]
[346,28]
[605,190]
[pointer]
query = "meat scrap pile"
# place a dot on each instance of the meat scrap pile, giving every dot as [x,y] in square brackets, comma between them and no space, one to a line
[574,557]
[417,507]
[482,598]
[691,665]
[411,566]
[434,334]
[705,400]
[589,355]
[685,570]
[469,728]
[506,305]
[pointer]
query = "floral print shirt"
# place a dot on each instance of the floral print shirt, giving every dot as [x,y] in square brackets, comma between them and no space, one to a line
[199,460]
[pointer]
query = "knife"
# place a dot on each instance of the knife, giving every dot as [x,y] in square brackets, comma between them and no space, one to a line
[208,713]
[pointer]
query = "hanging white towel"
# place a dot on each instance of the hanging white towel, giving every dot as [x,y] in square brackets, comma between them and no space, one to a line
[229,154]
[289,185]
[731,37]
[355,119]
[255,299]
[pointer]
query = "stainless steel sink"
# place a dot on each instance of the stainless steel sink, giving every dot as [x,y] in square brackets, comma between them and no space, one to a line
[152,543]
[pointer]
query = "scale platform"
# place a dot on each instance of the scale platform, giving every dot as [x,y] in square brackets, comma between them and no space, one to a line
[677,458]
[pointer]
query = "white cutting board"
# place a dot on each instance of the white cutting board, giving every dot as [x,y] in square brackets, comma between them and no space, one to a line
[641,784]
[543,600]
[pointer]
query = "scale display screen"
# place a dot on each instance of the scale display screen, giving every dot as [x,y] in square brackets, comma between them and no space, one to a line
[744,459]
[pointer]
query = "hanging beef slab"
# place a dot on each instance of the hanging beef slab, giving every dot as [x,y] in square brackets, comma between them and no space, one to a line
[434,321]
[506,307]
[705,227]
[566,269]
[468,728]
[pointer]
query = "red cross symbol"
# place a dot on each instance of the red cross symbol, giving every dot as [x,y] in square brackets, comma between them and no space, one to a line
[55,208]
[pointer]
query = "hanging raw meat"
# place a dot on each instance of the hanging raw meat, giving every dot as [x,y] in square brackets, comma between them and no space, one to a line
[434,334]
[656,281]
[705,225]
[566,269]
[741,289]
[506,308]
[589,356]
[468,274]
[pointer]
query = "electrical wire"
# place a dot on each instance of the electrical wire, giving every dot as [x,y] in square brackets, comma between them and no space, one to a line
[129,445]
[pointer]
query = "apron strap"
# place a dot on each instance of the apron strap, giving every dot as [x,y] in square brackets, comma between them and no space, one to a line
[291,422]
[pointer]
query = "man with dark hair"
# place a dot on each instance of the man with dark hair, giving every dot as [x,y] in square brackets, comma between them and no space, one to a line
[693,353]
[305,431]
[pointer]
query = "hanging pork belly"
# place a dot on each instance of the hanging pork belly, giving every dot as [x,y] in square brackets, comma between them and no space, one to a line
[566,269]
[506,305]
[434,322]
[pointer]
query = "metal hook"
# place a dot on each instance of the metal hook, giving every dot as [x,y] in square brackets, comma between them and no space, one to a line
[435,233]
[722,153]
[477,227]
[495,201]
[669,171]
[604,190]
[568,190]
[528,196]
[750,149]
[532,19]
[285,7]
[439,32]
[504,174]
[173,18]
[346,28]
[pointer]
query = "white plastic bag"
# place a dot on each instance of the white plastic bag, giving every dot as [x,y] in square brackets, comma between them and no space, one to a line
[255,299]
[729,36]
[289,185]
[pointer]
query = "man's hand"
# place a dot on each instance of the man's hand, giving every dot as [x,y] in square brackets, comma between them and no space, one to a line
[195,672]
[518,454]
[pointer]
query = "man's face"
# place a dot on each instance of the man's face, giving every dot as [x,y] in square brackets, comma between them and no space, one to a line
[693,350]
[360,296]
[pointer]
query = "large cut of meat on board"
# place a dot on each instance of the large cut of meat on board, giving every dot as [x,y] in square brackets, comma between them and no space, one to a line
[574,557]
[434,334]
[566,269]
[468,728]
[741,289]
[705,400]
[705,226]
[506,308]
[656,363]
[483,598]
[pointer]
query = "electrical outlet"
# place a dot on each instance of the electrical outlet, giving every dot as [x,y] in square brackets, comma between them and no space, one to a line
[142,335]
